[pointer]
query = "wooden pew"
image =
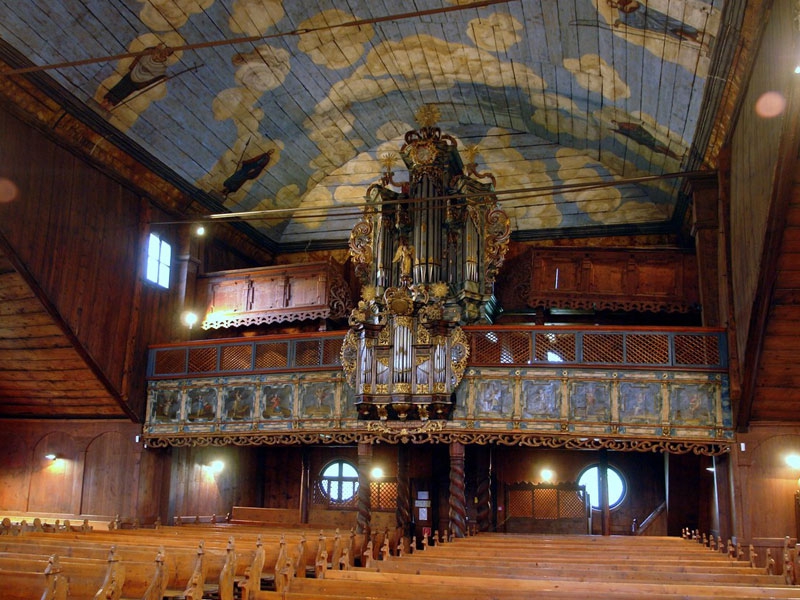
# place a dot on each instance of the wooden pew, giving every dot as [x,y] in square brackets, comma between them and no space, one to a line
[363,583]
[47,584]
[178,572]
[188,571]
[89,577]
[522,567]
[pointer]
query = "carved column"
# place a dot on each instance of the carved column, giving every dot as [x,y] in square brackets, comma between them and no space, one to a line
[484,489]
[403,511]
[457,501]
[705,228]
[305,485]
[364,510]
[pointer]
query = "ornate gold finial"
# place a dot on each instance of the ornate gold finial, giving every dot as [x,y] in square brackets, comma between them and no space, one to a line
[368,292]
[428,115]
[470,152]
[439,289]
[388,160]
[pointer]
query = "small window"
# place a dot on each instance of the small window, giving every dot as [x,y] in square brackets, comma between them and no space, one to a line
[339,481]
[159,256]
[589,477]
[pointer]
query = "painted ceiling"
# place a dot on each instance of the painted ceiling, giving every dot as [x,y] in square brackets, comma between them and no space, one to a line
[289,106]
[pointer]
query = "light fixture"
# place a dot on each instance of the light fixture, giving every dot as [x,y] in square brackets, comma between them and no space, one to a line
[547,475]
[793,460]
[376,473]
[189,318]
[51,456]
[200,230]
[427,251]
[215,466]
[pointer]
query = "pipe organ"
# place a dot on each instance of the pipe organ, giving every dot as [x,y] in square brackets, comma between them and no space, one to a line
[426,251]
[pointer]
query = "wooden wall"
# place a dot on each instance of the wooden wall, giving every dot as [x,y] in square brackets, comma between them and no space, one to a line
[766,484]
[105,471]
[82,235]
[755,153]
[101,470]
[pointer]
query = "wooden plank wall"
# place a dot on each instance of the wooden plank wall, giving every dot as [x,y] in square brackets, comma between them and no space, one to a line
[755,148]
[101,470]
[82,235]
[766,484]
[77,232]
[643,475]
[104,471]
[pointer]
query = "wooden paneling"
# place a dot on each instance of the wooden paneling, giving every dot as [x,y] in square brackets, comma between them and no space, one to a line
[765,236]
[101,469]
[776,396]
[198,489]
[643,475]
[274,294]
[111,478]
[41,372]
[73,230]
[601,279]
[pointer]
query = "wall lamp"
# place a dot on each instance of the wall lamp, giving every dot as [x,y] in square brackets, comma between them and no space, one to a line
[189,318]
[215,466]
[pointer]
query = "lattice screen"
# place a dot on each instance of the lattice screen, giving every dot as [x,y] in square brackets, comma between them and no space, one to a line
[560,344]
[647,349]
[382,496]
[202,360]
[501,348]
[603,347]
[331,351]
[307,353]
[170,361]
[696,350]
[272,355]
[544,502]
[236,358]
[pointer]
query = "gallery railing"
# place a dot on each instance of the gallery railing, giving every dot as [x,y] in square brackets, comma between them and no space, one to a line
[618,388]
[502,346]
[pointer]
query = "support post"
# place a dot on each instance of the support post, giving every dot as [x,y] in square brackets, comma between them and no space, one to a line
[403,511]
[602,484]
[457,499]
[364,509]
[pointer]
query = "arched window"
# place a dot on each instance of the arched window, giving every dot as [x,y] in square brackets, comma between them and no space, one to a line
[590,477]
[339,481]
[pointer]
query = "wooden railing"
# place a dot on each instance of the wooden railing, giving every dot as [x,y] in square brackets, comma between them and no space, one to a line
[501,346]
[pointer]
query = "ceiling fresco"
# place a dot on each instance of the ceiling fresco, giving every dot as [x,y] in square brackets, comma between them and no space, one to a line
[290,107]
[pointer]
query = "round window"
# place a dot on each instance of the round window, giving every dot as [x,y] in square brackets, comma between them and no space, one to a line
[339,481]
[590,477]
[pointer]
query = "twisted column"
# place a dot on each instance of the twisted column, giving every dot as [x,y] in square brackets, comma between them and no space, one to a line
[484,491]
[457,499]
[402,513]
[364,510]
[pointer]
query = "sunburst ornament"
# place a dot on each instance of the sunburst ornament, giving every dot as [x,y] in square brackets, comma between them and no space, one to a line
[470,152]
[428,115]
[439,289]
[388,160]
[369,292]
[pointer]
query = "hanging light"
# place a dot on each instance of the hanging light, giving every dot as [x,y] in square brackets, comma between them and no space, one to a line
[427,265]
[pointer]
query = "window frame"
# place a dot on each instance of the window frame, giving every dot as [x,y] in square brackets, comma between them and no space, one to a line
[163,266]
[623,480]
[324,481]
